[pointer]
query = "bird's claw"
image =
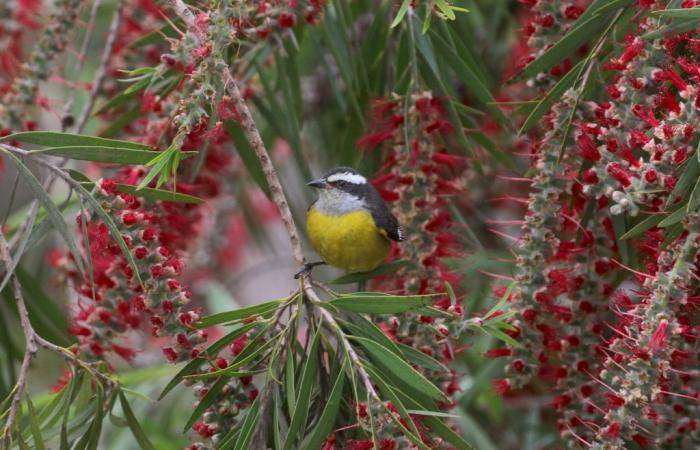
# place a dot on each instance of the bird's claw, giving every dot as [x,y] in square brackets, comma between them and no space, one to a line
[306,270]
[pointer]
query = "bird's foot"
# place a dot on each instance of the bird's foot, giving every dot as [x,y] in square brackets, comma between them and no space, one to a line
[306,270]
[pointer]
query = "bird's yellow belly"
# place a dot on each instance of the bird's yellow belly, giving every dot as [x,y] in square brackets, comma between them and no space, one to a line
[351,241]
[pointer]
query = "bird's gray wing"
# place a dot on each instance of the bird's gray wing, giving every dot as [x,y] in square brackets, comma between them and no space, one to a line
[383,218]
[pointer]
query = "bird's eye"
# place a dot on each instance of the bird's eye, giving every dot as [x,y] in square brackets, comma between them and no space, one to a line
[340,183]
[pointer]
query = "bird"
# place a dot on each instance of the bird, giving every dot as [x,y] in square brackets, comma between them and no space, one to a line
[349,225]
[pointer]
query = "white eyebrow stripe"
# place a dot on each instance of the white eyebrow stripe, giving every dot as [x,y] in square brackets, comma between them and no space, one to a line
[353,178]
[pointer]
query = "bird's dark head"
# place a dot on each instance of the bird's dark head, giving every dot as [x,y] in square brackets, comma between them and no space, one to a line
[341,190]
[339,178]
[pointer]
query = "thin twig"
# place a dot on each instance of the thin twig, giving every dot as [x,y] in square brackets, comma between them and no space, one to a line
[328,318]
[30,344]
[102,69]
[82,56]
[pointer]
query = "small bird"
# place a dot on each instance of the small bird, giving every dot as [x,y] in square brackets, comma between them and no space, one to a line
[349,225]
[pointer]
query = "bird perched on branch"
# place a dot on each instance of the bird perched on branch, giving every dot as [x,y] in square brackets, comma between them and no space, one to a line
[349,225]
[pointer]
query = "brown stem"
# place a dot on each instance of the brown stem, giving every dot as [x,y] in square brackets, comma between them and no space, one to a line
[354,358]
[30,344]
[82,56]
[102,69]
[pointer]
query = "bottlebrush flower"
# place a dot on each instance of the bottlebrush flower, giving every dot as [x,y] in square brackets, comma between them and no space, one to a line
[419,176]
[626,385]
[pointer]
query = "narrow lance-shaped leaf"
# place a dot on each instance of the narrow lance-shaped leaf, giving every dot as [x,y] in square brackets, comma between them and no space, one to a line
[386,389]
[330,412]
[401,13]
[134,424]
[308,379]
[206,401]
[385,304]
[111,155]
[34,426]
[687,13]
[238,314]
[387,360]
[54,139]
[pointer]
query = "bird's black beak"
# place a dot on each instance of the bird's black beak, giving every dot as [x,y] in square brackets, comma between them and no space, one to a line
[318,183]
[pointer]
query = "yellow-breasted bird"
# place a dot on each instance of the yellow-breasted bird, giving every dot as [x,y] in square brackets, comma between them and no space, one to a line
[349,225]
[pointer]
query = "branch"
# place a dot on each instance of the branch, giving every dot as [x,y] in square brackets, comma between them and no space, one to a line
[251,132]
[81,61]
[30,344]
[102,69]
[328,318]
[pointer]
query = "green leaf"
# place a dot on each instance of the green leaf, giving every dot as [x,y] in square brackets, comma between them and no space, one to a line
[552,96]
[644,225]
[276,433]
[134,425]
[308,380]
[34,426]
[388,391]
[330,412]
[210,352]
[694,198]
[290,382]
[502,301]
[421,412]
[244,358]
[433,312]
[401,13]
[426,23]
[54,139]
[113,155]
[140,71]
[91,436]
[446,9]
[379,304]
[437,426]
[495,332]
[674,218]
[251,420]
[389,361]
[238,314]
[363,276]
[159,194]
[52,211]
[683,13]
[360,326]
[457,56]
[206,402]
[688,178]
[421,359]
